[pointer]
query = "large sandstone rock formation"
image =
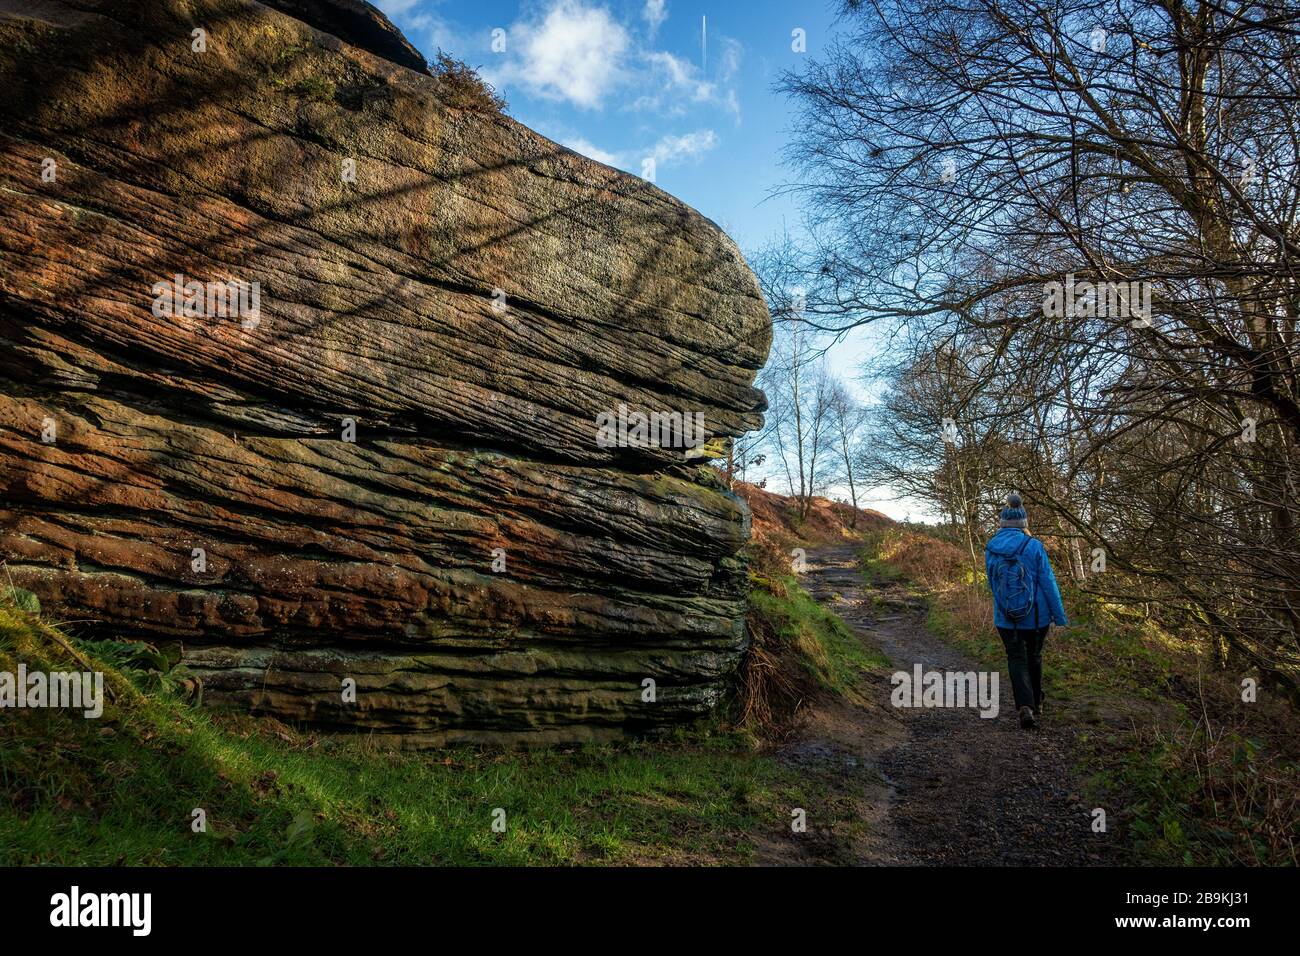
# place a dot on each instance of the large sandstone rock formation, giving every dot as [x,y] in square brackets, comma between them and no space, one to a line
[468,306]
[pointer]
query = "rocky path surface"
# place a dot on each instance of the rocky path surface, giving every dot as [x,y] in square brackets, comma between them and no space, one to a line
[937,786]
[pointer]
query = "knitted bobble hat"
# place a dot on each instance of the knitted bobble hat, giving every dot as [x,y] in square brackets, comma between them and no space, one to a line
[1013,515]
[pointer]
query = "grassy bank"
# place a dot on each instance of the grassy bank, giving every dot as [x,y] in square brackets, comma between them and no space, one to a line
[822,652]
[123,788]
[1195,775]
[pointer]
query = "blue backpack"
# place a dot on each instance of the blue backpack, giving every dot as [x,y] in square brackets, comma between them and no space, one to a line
[1013,584]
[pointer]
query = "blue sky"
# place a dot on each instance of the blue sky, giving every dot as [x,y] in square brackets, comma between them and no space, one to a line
[686,84]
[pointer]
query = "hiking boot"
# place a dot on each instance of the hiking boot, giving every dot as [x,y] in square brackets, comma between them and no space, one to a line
[1038,709]
[1026,717]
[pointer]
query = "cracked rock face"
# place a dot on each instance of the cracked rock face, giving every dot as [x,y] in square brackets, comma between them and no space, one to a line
[302,355]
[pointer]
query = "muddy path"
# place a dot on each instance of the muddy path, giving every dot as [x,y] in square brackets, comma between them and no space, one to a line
[933,786]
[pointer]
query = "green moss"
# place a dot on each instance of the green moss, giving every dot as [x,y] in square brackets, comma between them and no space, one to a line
[22,599]
[314,88]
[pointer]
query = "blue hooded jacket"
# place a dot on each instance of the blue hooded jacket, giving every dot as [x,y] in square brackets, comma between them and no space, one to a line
[1047,596]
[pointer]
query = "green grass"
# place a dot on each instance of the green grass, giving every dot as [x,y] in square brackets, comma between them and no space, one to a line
[877,569]
[830,653]
[122,789]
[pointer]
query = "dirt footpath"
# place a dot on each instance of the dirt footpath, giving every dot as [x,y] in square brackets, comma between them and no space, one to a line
[929,786]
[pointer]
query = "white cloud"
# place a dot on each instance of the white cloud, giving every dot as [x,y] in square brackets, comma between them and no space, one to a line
[437,33]
[730,59]
[682,82]
[574,53]
[672,149]
[589,149]
[396,8]
[428,31]
[677,70]
[668,150]
[654,12]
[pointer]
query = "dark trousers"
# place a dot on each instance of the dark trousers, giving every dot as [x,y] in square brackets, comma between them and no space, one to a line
[1025,662]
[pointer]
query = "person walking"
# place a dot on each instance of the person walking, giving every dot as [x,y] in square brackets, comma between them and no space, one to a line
[1026,603]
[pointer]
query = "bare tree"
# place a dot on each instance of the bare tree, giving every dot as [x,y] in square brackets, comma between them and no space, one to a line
[935,437]
[1094,205]
[795,379]
[846,418]
[798,391]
